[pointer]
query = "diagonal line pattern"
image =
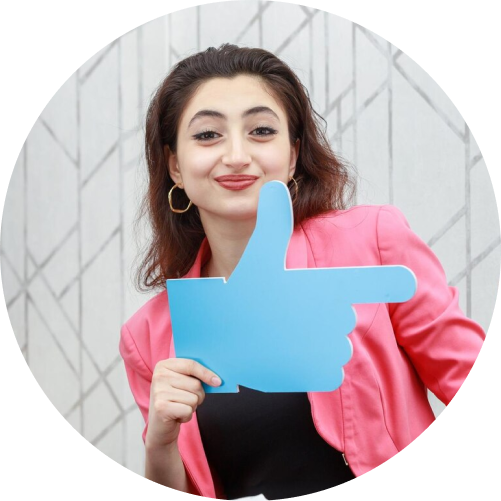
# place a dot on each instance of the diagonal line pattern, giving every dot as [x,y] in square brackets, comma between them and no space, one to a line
[475,160]
[54,251]
[475,262]
[103,160]
[102,378]
[19,280]
[354,118]
[116,421]
[447,226]
[337,101]
[370,36]
[428,100]
[91,70]
[58,142]
[263,6]
[289,39]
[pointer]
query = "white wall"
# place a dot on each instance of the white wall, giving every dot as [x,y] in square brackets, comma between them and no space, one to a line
[67,248]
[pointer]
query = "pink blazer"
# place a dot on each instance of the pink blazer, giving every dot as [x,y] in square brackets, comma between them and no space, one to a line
[399,350]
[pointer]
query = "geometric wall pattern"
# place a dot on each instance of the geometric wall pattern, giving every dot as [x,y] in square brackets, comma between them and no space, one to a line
[68,247]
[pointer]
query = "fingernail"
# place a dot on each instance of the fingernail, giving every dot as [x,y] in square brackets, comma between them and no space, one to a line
[215,380]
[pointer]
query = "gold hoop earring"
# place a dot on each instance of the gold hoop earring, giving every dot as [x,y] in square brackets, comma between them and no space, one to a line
[296,192]
[177,211]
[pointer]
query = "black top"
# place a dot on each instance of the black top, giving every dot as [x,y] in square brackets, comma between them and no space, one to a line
[266,443]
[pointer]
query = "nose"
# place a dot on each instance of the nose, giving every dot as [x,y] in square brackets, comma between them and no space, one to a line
[236,154]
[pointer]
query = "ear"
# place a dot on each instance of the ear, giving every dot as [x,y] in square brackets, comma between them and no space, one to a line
[294,157]
[173,166]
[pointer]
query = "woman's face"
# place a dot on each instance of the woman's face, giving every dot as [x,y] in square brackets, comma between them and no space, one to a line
[232,138]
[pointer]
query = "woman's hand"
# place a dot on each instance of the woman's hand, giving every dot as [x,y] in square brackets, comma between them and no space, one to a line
[176,392]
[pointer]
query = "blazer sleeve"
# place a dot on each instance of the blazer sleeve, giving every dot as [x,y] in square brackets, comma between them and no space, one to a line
[138,373]
[139,376]
[440,340]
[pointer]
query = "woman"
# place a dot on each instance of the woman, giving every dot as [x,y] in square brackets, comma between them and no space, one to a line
[224,122]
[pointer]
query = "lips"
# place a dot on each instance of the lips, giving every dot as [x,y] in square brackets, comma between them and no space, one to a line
[236,181]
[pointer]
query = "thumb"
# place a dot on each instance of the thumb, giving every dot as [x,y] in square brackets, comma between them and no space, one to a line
[268,244]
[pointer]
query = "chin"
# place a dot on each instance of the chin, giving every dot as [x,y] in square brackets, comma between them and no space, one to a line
[241,215]
[241,212]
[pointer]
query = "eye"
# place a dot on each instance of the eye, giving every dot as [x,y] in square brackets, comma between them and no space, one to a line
[206,135]
[264,131]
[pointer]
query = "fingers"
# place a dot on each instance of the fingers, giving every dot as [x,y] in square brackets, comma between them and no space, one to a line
[175,393]
[173,411]
[179,381]
[274,220]
[191,368]
[181,412]
[274,211]
[377,284]
[270,239]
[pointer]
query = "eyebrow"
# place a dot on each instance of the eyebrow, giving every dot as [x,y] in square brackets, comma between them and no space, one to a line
[251,111]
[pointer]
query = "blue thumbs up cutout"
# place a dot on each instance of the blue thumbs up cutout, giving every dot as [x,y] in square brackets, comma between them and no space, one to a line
[273,329]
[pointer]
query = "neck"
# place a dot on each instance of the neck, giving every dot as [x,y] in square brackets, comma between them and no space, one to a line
[227,241]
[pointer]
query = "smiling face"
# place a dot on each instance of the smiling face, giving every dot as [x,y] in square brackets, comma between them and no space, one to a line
[232,138]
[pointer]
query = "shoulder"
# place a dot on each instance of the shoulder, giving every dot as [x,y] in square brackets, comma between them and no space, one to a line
[152,311]
[148,331]
[354,217]
[352,236]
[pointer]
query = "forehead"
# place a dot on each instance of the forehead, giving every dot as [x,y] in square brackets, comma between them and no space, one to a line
[232,95]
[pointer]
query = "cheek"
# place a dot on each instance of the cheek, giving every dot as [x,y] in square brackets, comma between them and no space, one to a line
[198,163]
[275,160]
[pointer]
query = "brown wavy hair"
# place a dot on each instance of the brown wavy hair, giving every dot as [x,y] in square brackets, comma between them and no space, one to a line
[324,180]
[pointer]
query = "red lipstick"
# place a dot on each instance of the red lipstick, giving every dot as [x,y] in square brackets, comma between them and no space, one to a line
[236,182]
